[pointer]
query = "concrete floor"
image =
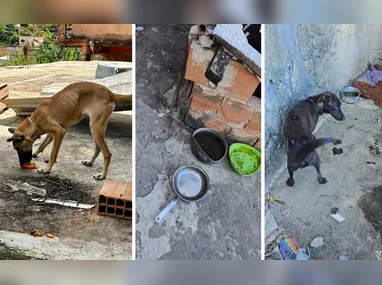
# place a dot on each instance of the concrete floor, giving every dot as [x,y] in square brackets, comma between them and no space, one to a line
[352,176]
[226,223]
[79,234]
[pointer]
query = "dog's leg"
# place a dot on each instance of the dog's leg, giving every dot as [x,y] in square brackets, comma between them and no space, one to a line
[98,124]
[43,145]
[290,181]
[97,150]
[100,139]
[58,135]
[321,180]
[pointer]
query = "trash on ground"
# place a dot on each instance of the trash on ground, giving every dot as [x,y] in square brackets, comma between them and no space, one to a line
[72,204]
[289,248]
[334,210]
[50,235]
[12,187]
[286,211]
[140,28]
[337,151]
[301,254]
[27,187]
[275,201]
[36,233]
[367,84]
[338,217]
[317,242]
[343,257]
[372,75]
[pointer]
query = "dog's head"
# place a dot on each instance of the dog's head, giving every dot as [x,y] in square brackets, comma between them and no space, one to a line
[332,105]
[22,139]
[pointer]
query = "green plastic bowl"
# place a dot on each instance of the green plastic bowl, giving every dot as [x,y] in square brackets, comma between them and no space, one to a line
[245,160]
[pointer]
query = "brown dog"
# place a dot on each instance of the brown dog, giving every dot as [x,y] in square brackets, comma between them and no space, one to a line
[67,108]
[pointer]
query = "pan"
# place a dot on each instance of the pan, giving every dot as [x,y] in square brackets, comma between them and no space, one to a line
[190,184]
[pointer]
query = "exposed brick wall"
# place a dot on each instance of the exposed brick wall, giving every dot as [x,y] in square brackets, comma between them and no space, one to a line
[229,108]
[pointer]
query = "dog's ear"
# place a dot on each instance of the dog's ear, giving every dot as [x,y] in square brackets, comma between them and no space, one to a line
[326,98]
[15,138]
[11,130]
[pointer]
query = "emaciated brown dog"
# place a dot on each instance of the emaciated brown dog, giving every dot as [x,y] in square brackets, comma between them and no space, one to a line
[67,108]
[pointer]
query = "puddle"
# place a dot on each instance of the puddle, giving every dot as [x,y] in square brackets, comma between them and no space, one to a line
[370,203]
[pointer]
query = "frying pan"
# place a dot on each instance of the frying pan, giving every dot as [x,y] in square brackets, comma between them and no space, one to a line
[190,183]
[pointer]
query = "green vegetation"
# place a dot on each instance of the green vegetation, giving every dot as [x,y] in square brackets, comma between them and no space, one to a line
[47,52]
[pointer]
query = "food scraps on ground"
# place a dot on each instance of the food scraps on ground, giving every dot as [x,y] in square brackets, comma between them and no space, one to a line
[36,233]
[30,165]
[50,235]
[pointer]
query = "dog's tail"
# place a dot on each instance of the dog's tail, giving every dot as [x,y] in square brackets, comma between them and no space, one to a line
[122,98]
[309,147]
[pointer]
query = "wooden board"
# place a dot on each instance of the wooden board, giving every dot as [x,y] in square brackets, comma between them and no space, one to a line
[4,91]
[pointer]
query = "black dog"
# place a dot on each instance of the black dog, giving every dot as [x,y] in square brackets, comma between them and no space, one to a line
[298,129]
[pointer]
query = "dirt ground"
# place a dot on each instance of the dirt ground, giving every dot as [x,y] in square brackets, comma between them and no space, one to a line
[354,186]
[80,234]
[226,223]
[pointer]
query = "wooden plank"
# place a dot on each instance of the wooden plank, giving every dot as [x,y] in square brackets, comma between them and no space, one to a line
[4,91]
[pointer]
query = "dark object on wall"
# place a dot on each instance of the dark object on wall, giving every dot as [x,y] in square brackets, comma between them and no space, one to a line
[217,65]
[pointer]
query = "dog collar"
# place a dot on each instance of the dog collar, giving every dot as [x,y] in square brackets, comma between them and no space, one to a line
[314,104]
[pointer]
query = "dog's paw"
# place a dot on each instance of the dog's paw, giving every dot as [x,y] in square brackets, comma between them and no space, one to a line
[290,182]
[322,180]
[87,163]
[99,177]
[43,171]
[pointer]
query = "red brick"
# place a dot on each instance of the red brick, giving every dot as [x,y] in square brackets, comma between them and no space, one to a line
[258,145]
[235,112]
[244,83]
[115,199]
[197,62]
[254,124]
[200,102]
[217,125]
[237,135]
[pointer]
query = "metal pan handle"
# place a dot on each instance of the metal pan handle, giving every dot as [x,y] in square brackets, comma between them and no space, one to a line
[165,211]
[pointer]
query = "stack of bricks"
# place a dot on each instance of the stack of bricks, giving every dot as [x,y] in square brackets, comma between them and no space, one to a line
[230,108]
[115,199]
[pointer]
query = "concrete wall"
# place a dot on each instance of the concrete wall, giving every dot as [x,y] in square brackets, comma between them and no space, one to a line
[304,60]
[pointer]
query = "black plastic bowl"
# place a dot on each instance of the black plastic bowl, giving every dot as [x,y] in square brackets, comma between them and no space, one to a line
[208,146]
